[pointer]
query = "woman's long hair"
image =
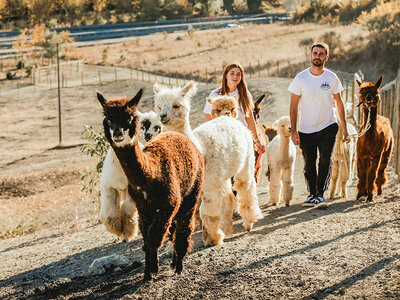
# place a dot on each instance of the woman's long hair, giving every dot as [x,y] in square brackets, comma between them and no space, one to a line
[244,99]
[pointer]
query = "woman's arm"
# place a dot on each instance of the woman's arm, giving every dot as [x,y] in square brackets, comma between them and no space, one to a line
[251,124]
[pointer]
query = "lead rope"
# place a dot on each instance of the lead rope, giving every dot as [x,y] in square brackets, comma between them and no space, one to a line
[345,154]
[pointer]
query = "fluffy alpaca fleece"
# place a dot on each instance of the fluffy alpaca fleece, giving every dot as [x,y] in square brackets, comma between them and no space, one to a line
[165,180]
[343,161]
[117,210]
[375,147]
[223,106]
[227,147]
[281,153]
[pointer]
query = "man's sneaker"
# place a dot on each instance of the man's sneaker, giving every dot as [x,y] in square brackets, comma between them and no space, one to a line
[319,202]
[310,202]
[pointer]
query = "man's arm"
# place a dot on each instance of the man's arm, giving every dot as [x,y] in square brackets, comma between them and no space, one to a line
[341,115]
[207,117]
[294,103]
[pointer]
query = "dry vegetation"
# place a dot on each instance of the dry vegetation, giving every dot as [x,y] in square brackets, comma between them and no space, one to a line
[198,50]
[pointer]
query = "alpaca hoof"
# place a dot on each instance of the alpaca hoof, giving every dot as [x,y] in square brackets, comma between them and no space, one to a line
[124,240]
[362,198]
[248,226]
[147,277]
[213,241]
[379,191]
[274,204]
[370,198]
[287,204]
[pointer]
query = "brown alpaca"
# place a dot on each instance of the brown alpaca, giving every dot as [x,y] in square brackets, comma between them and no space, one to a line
[374,148]
[165,180]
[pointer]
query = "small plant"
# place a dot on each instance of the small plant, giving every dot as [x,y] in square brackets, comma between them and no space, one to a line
[178,38]
[20,64]
[104,55]
[165,34]
[306,44]
[10,75]
[90,178]
[137,41]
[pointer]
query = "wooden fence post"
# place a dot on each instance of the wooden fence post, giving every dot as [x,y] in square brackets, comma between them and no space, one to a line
[115,72]
[277,68]
[259,69]
[82,79]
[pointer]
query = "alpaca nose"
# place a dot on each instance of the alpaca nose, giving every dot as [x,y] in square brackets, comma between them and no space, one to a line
[147,137]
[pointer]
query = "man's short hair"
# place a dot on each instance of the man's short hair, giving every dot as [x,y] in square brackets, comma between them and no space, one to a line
[322,45]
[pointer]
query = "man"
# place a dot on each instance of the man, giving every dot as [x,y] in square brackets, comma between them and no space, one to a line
[313,93]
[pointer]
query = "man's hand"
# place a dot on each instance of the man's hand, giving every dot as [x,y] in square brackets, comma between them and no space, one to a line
[295,138]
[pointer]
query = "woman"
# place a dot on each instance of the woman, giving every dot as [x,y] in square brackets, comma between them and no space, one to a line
[234,84]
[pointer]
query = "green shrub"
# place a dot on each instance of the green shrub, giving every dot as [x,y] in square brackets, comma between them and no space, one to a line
[333,40]
[90,178]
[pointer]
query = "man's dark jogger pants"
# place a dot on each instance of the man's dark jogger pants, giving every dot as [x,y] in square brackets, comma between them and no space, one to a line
[324,141]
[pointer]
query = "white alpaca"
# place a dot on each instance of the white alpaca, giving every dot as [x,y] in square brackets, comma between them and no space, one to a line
[227,147]
[117,209]
[281,153]
[343,161]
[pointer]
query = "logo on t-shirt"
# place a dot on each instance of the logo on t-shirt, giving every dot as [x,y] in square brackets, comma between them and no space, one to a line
[325,86]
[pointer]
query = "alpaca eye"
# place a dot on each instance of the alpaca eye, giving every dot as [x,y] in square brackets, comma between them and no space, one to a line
[218,110]
[176,106]
[158,108]
[109,122]
[156,128]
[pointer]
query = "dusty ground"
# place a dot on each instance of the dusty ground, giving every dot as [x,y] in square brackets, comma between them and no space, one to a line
[51,234]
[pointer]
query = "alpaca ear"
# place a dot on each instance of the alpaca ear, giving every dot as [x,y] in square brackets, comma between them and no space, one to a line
[358,82]
[189,89]
[101,99]
[156,88]
[210,100]
[135,100]
[260,99]
[263,125]
[379,82]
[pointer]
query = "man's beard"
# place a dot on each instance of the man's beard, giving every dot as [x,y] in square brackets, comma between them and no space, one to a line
[317,62]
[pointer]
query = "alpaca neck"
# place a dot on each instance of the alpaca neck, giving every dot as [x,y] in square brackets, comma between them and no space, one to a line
[186,129]
[134,162]
[284,146]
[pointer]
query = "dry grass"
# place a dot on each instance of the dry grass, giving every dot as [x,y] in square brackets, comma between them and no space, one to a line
[213,49]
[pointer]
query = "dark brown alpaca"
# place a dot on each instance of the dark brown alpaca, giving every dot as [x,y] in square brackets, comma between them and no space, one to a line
[374,148]
[165,180]
[256,114]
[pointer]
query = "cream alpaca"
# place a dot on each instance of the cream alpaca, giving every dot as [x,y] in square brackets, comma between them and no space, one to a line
[227,147]
[281,153]
[117,209]
[343,157]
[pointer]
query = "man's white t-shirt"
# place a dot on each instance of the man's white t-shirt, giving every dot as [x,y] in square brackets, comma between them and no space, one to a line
[235,93]
[316,106]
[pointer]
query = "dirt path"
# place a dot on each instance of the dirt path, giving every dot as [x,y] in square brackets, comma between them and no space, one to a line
[350,250]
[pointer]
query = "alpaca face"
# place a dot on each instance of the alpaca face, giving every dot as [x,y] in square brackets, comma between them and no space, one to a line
[283,126]
[150,123]
[173,104]
[223,106]
[369,93]
[120,119]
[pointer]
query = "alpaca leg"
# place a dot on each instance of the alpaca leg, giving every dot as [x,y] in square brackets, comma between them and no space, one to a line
[129,218]
[210,209]
[287,190]
[228,206]
[249,208]
[110,210]
[185,225]
[371,177]
[343,178]
[381,177]
[362,165]
[334,177]
[274,185]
